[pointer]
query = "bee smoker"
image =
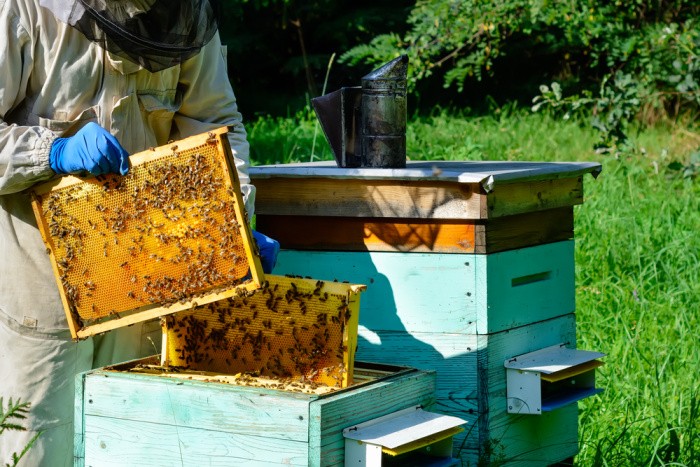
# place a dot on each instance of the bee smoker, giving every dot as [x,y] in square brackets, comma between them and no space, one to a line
[366,125]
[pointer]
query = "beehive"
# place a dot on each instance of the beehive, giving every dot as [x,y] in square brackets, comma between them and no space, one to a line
[468,264]
[126,417]
[292,327]
[170,233]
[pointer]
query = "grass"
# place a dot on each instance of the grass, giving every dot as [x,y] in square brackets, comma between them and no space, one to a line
[637,265]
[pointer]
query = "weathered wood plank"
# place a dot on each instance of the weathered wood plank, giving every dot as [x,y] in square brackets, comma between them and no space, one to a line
[452,356]
[330,415]
[208,406]
[515,198]
[534,439]
[458,293]
[413,291]
[524,286]
[524,230]
[471,383]
[420,199]
[369,198]
[418,235]
[370,234]
[507,344]
[463,361]
[79,423]
[119,442]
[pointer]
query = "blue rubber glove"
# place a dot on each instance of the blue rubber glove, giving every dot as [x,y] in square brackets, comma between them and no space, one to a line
[269,248]
[92,149]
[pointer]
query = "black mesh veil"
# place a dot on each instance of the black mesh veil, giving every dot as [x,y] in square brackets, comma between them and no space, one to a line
[156,34]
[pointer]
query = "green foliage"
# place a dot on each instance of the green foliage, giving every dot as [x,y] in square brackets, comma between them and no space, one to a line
[638,283]
[617,60]
[662,72]
[689,170]
[9,420]
[612,110]
[275,140]
[278,50]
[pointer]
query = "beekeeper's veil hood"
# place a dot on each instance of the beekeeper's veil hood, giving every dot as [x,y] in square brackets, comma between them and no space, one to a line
[156,34]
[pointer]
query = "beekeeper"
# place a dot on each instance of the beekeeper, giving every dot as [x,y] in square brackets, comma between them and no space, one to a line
[84,84]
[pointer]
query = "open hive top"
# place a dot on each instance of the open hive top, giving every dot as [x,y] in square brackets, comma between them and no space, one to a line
[363,373]
[294,329]
[171,232]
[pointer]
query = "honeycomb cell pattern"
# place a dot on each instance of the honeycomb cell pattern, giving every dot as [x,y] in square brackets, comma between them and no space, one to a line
[291,328]
[165,232]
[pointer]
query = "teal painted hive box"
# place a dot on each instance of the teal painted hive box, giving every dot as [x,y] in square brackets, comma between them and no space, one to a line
[467,265]
[134,418]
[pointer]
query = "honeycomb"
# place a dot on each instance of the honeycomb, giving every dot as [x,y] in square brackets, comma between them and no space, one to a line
[171,230]
[291,327]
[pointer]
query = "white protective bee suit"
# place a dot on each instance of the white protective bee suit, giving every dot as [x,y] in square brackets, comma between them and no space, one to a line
[52,82]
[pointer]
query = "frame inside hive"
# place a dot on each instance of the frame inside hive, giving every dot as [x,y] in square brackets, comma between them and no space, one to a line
[168,235]
[291,328]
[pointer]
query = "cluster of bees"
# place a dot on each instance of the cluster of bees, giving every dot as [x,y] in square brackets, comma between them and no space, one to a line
[163,233]
[170,231]
[292,327]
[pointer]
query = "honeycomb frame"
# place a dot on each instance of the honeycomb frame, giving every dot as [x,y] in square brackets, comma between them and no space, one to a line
[292,329]
[169,235]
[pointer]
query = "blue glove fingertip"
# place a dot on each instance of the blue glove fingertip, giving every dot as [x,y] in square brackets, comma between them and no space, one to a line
[117,155]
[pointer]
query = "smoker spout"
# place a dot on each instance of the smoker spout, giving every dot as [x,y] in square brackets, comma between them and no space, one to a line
[339,114]
[366,126]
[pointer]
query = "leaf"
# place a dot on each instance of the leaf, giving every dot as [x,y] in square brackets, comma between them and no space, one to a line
[556,89]
[15,411]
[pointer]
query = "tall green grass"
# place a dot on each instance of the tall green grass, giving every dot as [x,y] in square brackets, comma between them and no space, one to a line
[637,265]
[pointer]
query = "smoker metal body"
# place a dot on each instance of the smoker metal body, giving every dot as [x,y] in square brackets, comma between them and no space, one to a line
[366,126]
